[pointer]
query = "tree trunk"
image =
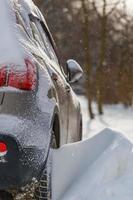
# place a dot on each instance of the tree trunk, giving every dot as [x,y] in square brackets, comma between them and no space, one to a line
[86,33]
[100,103]
[92,116]
[100,70]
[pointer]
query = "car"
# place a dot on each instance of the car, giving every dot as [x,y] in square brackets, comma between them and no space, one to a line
[38,108]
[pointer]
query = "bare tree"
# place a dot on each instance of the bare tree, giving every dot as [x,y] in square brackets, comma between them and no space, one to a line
[86,43]
[125,56]
[103,16]
[38,3]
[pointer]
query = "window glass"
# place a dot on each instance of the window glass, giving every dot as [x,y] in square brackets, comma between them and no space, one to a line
[38,37]
[36,34]
[20,21]
[47,43]
[26,20]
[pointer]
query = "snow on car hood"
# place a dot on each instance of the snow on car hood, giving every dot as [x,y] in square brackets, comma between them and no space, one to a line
[99,168]
[10,51]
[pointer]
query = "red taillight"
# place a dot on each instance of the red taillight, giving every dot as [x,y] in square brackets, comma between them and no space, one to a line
[25,80]
[3,149]
[2,76]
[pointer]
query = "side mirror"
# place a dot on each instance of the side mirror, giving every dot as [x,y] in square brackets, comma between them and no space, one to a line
[74,70]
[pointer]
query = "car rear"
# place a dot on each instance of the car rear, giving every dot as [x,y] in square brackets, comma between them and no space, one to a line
[26,109]
[18,87]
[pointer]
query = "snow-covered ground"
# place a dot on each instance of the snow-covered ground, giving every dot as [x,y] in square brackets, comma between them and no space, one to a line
[101,167]
[116,117]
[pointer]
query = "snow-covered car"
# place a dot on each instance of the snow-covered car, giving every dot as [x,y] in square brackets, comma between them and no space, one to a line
[38,108]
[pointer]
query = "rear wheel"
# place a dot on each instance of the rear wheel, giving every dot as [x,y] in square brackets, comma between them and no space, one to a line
[44,190]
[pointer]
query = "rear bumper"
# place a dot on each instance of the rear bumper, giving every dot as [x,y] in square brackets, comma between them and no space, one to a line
[20,165]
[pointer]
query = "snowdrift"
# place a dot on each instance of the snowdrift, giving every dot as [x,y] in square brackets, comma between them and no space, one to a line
[100,168]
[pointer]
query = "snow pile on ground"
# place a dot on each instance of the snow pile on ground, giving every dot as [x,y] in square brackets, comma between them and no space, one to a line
[115,117]
[100,168]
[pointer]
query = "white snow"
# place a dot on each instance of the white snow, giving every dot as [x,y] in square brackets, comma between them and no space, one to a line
[101,167]
[10,51]
[116,117]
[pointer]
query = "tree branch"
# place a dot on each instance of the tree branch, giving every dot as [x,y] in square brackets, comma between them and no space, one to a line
[114,7]
[95,9]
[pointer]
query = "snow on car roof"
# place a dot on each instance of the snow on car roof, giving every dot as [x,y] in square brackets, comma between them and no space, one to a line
[28,5]
[10,45]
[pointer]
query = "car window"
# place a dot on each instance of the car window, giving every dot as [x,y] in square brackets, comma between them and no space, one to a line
[37,35]
[49,47]
[19,21]
[47,42]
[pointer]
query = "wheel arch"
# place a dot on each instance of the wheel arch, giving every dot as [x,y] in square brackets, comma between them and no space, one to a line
[56,126]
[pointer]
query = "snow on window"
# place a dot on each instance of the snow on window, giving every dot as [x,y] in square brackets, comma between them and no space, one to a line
[46,41]
[37,35]
[22,18]
[20,22]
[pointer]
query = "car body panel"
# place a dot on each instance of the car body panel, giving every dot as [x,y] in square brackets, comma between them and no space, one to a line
[27,117]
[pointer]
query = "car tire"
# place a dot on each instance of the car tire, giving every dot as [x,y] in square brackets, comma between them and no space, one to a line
[44,190]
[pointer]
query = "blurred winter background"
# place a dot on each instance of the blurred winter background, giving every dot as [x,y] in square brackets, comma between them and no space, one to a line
[99,35]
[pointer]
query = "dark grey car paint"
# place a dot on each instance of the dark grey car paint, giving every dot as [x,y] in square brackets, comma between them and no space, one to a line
[28,115]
